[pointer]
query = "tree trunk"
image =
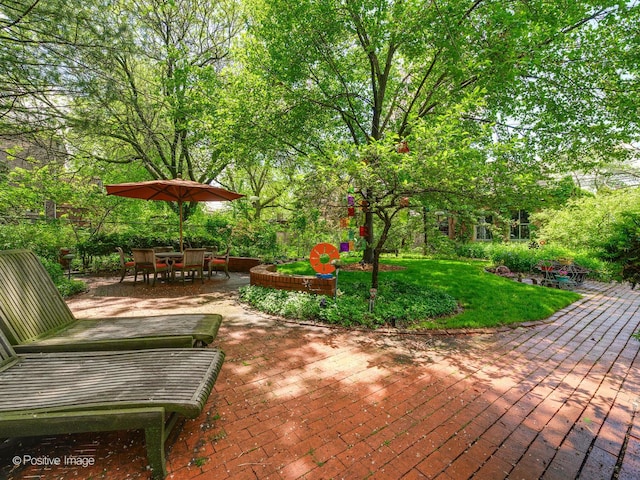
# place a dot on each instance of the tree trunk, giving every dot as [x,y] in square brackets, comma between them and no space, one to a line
[375,268]
[376,251]
[368,256]
[425,230]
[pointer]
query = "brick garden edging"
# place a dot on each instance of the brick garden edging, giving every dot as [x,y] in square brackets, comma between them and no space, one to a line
[268,276]
[242,264]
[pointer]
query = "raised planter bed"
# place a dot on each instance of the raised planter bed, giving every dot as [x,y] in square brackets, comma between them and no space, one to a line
[242,264]
[268,276]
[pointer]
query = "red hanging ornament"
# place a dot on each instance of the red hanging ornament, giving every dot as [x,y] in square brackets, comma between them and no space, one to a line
[351,211]
[364,231]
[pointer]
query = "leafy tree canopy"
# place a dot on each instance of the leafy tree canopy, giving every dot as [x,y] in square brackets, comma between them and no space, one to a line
[586,222]
[492,97]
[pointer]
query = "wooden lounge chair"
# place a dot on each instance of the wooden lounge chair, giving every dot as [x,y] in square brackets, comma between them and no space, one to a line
[35,318]
[72,392]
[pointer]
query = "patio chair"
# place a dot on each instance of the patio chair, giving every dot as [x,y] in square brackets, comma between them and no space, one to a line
[192,262]
[73,392]
[125,265]
[145,261]
[219,263]
[577,273]
[35,318]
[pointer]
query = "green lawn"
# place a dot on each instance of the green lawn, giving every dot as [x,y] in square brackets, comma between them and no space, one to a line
[487,300]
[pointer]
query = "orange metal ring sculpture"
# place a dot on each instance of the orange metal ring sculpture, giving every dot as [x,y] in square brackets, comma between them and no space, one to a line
[321,256]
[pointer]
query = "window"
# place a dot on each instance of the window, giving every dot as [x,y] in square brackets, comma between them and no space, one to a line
[442,222]
[483,232]
[520,225]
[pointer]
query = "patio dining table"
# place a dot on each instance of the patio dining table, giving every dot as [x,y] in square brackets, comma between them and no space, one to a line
[169,258]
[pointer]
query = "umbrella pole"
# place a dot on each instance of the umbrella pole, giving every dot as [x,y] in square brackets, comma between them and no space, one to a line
[180,208]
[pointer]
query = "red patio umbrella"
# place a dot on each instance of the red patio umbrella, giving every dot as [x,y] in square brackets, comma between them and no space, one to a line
[175,190]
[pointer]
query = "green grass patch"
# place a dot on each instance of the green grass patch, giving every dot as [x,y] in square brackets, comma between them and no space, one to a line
[426,294]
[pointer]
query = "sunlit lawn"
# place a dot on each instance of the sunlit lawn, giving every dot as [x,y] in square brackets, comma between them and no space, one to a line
[487,300]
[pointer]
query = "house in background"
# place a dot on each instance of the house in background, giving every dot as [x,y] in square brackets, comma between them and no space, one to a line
[19,152]
[519,228]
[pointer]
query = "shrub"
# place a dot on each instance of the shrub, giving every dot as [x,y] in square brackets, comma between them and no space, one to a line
[45,238]
[397,303]
[623,247]
[586,222]
[104,244]
[522,257]
[256,239]
[65,286]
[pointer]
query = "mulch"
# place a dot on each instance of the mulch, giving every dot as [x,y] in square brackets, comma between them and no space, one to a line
[367,267]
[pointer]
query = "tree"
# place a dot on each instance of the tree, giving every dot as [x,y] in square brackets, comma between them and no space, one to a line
[587,222]
[623,247]
[381,72]
[137,81]
[29,33]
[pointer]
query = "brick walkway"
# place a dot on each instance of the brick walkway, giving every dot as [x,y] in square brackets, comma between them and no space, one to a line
[554,401]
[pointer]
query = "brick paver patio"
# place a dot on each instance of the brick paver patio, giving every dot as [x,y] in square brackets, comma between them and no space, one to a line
[552,401]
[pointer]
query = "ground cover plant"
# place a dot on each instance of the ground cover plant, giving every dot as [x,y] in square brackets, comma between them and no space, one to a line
[426,294]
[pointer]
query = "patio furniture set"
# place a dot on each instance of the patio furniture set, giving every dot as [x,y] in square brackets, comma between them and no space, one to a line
[561,275]
[60,374]
[152,262]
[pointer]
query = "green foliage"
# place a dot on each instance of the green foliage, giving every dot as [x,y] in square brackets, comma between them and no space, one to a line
[218,231]
[210,231]
[281,302]
[105,244]
[307,228]
[45,238]
[422,296]
[65,286]
[459,94]
[255,239]
[522,257]
[586,222]
[623,247]
[307,83]
[397,303]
